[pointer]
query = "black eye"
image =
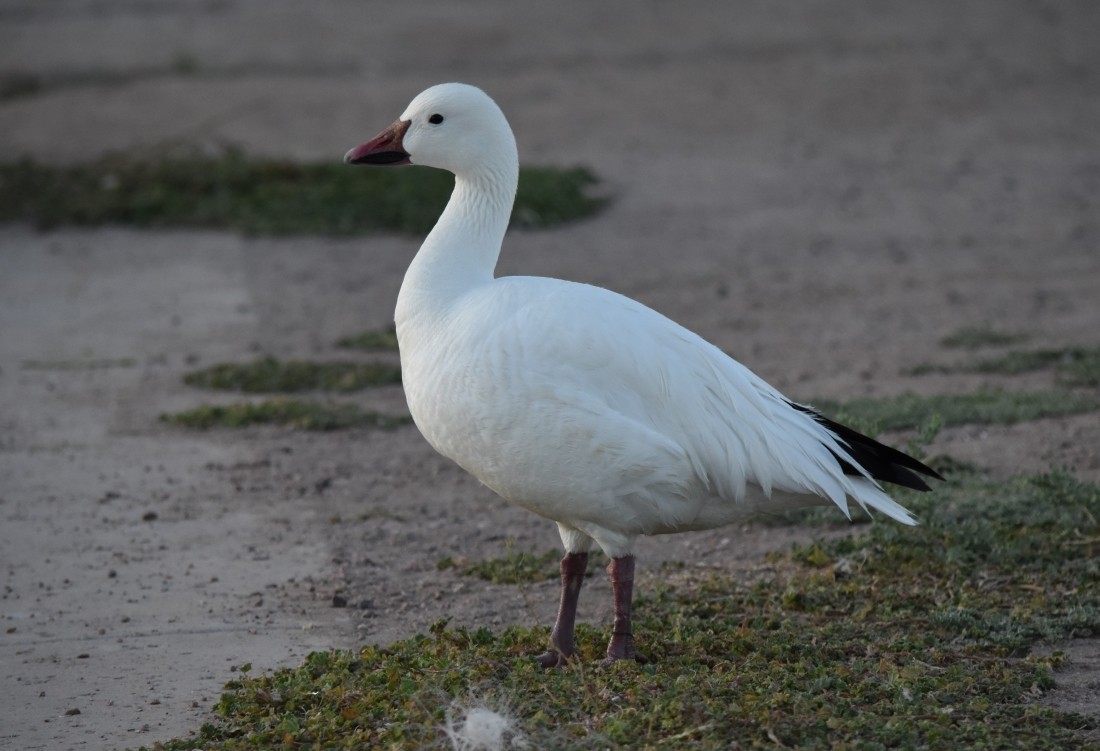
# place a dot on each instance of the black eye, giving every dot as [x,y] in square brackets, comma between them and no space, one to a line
[436,119]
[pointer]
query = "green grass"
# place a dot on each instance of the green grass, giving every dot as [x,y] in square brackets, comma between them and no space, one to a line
[15,84]
[516,567]
[900,638]
[292,413]
[270,375]
[978,337]
[1075,366]
[266,197]
[83,363]
[986,407]
[19,85]
[373,340]
[903,638]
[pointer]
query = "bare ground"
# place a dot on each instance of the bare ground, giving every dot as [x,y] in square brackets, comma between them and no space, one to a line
[825,192]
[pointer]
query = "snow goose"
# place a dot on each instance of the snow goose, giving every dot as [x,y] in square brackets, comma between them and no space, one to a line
[582,405]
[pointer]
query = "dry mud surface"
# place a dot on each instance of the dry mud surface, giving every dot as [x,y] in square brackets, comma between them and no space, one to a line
[825,192]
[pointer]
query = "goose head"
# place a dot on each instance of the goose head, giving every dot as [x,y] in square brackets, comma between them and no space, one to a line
[452,126]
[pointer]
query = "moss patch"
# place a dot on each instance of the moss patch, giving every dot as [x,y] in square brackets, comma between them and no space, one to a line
[903,638]
[1075,366]
[18,84]
[83,363]
[266,197]
[270,375]
[373,340]
[517,567]
[291,413]
[978,337]
[986,407]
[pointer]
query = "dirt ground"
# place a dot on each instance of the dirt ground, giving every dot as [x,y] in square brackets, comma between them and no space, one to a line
[824,190]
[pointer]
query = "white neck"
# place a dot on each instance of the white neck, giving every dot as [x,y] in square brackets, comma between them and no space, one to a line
[461,251]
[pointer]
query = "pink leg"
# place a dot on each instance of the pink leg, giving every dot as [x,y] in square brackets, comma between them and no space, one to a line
[621,573]
[573,566]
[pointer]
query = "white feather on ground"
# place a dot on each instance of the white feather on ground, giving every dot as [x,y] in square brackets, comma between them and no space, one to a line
[479,728]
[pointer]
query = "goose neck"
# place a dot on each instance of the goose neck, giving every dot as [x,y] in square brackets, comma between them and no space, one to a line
[462,249]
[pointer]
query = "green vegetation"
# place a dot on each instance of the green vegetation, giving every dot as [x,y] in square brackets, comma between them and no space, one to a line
[1075,366]
[986,407]
[374,340]
[84,363]
[517,567]
[15,84]
[976,338]
[903,638]
[19,85]
[269,375]
[264,196]
[287,412]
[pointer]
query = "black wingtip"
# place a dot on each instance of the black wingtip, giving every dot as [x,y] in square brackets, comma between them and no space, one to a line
[879,460]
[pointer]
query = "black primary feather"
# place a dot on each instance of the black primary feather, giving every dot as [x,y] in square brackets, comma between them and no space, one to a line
[880,461]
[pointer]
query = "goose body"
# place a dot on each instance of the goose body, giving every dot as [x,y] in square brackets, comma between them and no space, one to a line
[580,404]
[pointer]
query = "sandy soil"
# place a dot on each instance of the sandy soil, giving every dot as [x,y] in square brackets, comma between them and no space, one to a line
[823,191]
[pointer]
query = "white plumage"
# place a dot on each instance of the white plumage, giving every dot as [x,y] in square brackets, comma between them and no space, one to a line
[580,404]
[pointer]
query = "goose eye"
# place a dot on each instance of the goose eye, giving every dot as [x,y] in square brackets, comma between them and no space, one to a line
[435,119]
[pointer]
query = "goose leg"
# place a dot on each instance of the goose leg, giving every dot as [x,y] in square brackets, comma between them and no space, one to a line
[621,573]
[573,566]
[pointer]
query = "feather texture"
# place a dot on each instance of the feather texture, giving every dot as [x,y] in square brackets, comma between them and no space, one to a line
[581,404]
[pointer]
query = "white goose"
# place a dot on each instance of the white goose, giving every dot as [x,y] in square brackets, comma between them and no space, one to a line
[582,405]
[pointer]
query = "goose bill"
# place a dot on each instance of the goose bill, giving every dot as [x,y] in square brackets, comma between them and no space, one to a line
[385,148]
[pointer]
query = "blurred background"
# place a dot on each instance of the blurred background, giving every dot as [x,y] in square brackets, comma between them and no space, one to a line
[759,135]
